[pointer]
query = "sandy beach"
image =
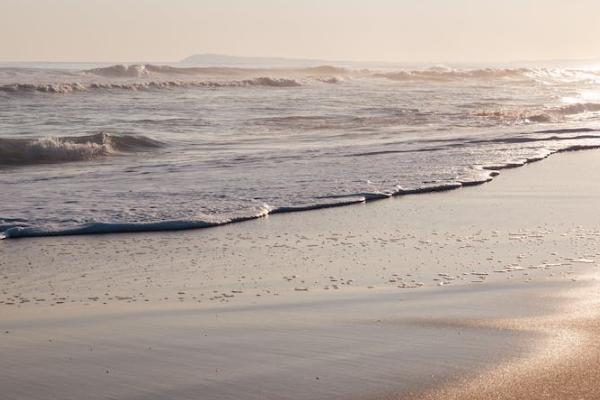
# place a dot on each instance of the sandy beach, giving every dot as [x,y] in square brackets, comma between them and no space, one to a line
[487,292]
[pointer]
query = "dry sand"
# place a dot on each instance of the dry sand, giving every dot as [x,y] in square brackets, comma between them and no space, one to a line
[484,292]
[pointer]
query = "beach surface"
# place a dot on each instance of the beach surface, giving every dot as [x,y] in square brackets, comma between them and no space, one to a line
[482,292]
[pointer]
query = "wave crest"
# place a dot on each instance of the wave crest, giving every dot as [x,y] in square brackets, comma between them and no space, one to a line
[63,88]
[448,74]
[146,70]
[121,71]
[66,149]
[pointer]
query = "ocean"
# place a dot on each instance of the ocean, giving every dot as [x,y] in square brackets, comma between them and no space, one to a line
[115,148]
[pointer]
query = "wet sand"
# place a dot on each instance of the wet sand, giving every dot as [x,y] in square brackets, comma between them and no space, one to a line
[484,292]
[565,365]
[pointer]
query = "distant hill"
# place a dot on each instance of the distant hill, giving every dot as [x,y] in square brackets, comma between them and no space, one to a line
[226,60]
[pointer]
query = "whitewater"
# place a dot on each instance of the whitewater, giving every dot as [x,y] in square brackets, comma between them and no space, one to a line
[142,147]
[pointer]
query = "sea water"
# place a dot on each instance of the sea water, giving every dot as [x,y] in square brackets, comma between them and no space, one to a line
[97,148]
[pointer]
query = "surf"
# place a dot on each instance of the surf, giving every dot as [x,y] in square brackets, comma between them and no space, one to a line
[57,149]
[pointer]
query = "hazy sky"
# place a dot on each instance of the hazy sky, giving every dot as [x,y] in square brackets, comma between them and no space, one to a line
[378,30]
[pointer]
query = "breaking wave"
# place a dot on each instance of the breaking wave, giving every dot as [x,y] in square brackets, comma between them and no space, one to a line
[140,71]
[439,73]
[121,71]
[20,88]
[323,71]
[449,74]
[150,76]
[47,150]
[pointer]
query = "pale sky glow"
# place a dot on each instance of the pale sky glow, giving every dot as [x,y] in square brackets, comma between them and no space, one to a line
[378,30]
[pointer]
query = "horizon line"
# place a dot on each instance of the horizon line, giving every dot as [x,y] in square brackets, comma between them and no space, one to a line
[302,59]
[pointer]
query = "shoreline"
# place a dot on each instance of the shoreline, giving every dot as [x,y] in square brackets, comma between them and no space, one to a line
[102,228]
[426,297]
